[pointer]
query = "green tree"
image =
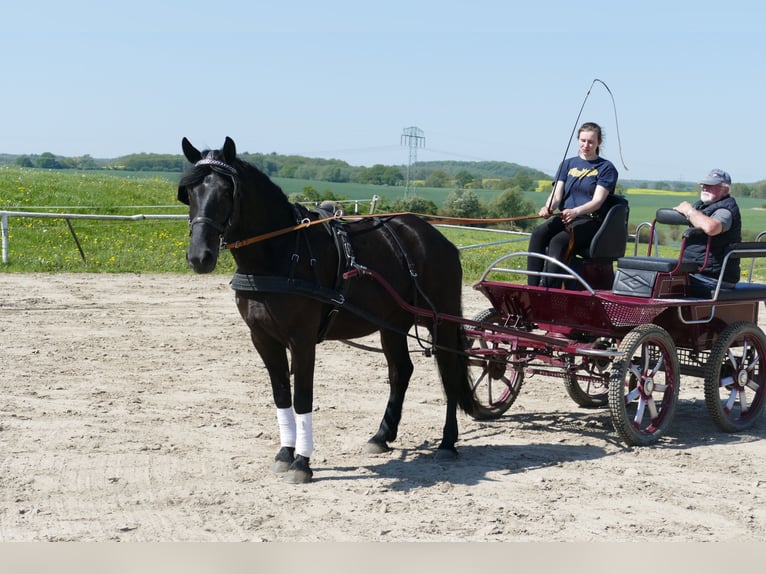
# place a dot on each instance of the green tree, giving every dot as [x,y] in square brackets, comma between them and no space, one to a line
[463,178]
[463,203]
[511,203]
[741,190]
[437,178]
[415,204]
[307,194]
[47,161]
[334,173]
[380,174]
[24,161]
[524,181]
[82,162]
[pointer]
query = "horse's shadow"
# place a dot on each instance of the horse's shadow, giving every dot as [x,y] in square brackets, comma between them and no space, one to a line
[416,467]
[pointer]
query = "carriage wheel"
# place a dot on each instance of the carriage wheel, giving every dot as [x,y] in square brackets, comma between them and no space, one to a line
[593,394]
[735,377]
[496,384]
[643,388]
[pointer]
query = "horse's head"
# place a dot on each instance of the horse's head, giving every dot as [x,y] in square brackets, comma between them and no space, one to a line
[210,190]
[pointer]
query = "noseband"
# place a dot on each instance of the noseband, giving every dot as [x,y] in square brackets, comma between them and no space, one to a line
[221,168]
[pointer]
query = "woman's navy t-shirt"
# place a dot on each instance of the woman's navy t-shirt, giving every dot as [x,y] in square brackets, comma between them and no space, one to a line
[581,176]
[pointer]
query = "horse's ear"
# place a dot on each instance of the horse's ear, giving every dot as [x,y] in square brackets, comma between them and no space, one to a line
[229,150]
[191,152]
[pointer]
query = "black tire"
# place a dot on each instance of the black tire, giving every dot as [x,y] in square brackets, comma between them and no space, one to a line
[643,387]
[591,394]
[735,377]
[496,384]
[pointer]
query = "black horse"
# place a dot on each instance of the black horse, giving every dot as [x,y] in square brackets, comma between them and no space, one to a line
[293,289]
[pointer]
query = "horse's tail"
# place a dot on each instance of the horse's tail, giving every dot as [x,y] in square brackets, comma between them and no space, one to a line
[453,368]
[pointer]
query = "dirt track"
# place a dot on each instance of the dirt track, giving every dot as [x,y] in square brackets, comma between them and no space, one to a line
[133,408]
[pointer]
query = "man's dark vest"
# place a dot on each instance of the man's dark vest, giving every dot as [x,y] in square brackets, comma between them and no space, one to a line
[695,248]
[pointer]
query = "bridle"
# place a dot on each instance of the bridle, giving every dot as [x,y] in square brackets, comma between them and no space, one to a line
[221,168]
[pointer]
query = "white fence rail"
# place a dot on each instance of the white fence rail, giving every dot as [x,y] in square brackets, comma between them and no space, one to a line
[352,205]
[4,215]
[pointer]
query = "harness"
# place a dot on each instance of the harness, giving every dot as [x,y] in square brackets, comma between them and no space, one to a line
[335,297]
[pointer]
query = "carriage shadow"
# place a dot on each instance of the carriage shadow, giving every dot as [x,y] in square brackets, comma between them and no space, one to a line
[539,440]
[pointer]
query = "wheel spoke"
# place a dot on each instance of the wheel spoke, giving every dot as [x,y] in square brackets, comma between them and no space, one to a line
[744,404]
[726,381]
[632,395]
[732,358]
[658,366]
[478,381]
[745,349]
[639,412]
[730,401]
[645,358]
[753,385]
[652,408]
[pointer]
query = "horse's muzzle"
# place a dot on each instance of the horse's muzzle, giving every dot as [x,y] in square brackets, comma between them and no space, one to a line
[201,256]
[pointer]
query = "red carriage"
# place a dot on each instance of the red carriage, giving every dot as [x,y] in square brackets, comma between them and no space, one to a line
[626,341]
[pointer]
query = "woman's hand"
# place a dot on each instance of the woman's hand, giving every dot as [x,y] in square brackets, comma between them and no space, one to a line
[545,212]
[569,215]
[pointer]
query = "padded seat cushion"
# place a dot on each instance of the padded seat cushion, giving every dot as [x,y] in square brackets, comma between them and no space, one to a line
[659,264]
[740,292]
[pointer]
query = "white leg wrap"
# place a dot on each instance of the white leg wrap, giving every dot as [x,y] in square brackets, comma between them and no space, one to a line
[304,444]
[286,420]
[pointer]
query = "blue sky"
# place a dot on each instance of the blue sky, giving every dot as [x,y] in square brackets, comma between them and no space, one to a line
[484,80]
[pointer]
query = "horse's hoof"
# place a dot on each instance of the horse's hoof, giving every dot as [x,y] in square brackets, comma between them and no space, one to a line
[284,459]
[299,472]
[298,477]
[375,447]
[445,454]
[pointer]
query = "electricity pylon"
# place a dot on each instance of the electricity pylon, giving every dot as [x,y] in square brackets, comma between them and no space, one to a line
[414,138]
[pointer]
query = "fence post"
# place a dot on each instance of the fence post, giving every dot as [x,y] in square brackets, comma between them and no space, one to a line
[4,226]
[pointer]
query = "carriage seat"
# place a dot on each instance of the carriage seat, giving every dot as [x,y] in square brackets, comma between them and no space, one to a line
[611,239]
[743,290]
[596,261]
[651,276]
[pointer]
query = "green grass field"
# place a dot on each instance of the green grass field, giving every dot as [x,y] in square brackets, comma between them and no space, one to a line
[159,246]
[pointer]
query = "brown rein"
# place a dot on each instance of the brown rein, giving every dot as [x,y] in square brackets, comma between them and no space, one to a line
[306,223]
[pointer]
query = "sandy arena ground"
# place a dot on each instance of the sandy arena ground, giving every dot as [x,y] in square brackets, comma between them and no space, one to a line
[134,408]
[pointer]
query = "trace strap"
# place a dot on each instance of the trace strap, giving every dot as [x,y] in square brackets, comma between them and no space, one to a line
[304,223]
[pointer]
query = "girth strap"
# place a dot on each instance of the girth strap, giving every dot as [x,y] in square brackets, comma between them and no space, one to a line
[272,284]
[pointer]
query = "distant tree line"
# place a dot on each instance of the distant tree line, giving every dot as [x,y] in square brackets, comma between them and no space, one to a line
[459,175]
[473,175]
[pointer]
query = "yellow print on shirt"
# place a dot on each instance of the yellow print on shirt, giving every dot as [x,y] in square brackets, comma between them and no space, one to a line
[582,173]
